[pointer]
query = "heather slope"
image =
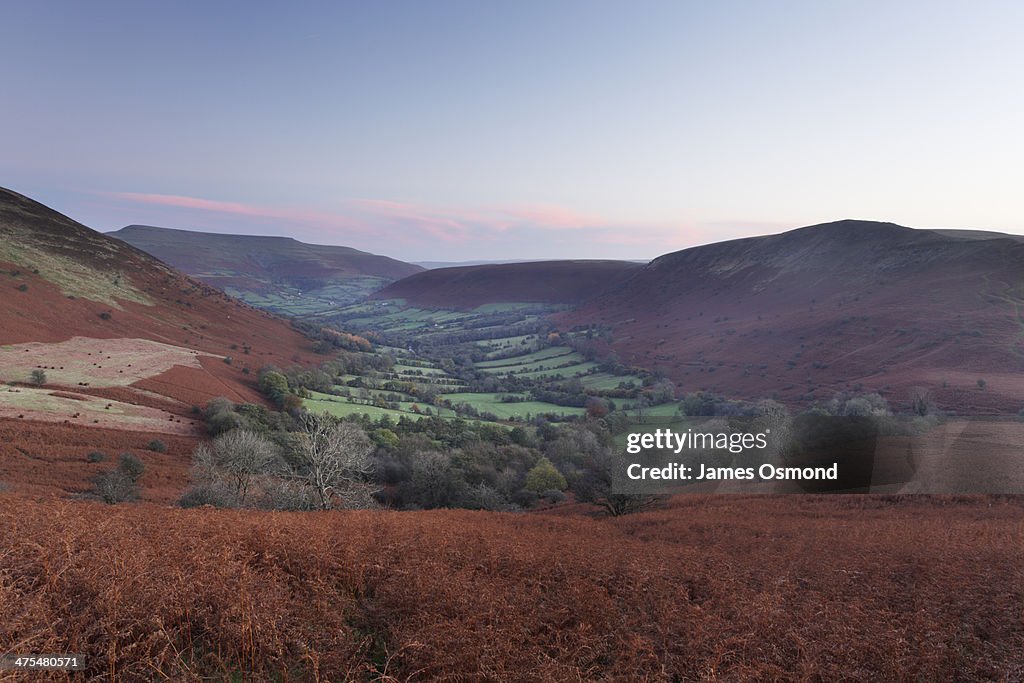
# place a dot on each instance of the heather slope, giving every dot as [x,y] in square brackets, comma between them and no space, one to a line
[66,282]
[550,282]
[278,273]
[851,305]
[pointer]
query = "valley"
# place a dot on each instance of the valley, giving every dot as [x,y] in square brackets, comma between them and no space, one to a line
[489,402]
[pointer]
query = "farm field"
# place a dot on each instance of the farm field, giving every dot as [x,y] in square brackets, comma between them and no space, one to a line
[493,404]
[341,406]
[463,361]
[559,355]
[402,323]
[298,302]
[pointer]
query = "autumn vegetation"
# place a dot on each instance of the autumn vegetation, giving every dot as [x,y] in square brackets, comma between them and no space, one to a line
[708,588]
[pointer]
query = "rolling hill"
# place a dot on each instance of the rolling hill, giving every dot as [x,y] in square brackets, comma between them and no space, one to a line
[280,274]
[844,306]
[122,346]
[550,282]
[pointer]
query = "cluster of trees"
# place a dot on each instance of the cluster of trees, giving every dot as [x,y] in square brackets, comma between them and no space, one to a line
[316,463]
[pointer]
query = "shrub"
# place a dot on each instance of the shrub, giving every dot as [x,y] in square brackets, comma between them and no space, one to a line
[157,446]
[131,466]
[553,496]
[281,494]
[221,417]
[274,386]
[544,477]
[115,486]
[96,456]
[106,315]
[22,287]
[208,494]
[38,377]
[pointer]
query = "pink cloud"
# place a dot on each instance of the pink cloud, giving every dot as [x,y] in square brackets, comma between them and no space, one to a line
[383,224]
[289,215]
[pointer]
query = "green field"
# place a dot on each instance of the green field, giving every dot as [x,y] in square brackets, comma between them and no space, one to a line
[563,372]
[282,298]
[492,403]
[421,340]
[563,354]
[604,382]
[340,406]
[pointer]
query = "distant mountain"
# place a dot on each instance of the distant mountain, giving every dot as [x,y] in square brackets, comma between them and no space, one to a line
[457,264]
[844,306]
[553,282]
[430,265]
[277,273]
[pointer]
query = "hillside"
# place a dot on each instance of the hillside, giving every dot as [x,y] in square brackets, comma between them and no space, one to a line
[737,588]
[127,346]
[850,305]
[550,282]
[277,273]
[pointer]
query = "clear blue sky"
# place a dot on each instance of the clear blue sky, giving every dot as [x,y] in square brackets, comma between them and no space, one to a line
[496,130]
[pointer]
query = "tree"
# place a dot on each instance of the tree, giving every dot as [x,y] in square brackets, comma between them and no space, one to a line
[433,482]
[640,405]
[335,461]
[596,407]
[595,485]
[38,377]
[773,419]
[544,477]
[120,484]
[274,385]
[232,461]
[131,466]
[922,401]
[115,486]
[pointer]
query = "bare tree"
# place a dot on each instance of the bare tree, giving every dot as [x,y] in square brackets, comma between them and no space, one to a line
[336,461]
[773,418]
[233,460]
[596,484]
[921,401]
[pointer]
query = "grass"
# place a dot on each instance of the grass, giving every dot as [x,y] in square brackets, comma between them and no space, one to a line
[99,362]
[562,353]
[340,406]
[564,372]
[403,369]
[82,410]
[606,382]
[73,277]
[492,403]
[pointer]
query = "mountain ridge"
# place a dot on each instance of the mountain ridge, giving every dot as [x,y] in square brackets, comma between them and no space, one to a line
[278,273]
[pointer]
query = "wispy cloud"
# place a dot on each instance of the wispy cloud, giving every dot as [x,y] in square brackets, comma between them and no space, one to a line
[406,227]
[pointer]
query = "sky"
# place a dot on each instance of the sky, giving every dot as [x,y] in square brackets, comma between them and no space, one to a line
[451,131]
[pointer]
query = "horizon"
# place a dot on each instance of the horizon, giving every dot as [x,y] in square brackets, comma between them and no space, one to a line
[483,261]
[531,132]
